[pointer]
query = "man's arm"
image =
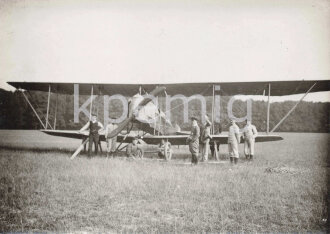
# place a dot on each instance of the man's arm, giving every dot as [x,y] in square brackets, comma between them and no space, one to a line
[243,133]
[106,131]
[208,133]
[101,127]
[255,132]
[237,135]
[195,133]
[85,127]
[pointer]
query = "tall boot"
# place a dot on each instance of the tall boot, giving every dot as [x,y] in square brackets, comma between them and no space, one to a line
[235,160]
[251,157]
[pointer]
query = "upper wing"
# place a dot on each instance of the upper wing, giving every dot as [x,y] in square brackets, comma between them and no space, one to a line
[278,88]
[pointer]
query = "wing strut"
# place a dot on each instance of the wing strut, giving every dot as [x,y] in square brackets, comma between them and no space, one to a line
[212,111]
[292,109]
[268,108]
[34,111]
[48,106]
[91,106]
[55,111]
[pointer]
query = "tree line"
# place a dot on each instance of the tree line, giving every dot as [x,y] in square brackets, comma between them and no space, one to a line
[15,113]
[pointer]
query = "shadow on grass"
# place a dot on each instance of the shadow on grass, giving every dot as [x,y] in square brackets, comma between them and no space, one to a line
[36,149]
[55,150]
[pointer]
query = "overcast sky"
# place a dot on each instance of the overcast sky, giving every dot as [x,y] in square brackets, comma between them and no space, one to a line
[165,41]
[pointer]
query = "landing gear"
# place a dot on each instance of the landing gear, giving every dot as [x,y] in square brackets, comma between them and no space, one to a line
[167,151]
[140,153]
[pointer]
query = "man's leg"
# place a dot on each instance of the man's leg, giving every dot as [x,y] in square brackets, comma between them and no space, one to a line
[235,152]
[96,143]
[230,150]
[206,153]
[203,151]
[113,145]
[246,149]
[108,146]
[251,149]
[195,155]
[212,148]
[90,145]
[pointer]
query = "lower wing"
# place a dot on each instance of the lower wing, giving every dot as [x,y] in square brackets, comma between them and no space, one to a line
[222,139]
[154,140]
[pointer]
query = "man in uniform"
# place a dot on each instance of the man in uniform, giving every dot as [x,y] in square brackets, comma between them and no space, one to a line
[249,134]
[205,140]
[233,141]
[193,140]
[134,149]
[95,127]
[111,142]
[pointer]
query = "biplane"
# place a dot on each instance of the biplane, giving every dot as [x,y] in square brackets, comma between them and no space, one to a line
[142,108]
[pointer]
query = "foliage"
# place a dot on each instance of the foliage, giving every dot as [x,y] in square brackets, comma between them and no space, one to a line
[16,114]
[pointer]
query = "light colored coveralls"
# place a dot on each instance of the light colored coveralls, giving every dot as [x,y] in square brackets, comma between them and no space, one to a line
[205,140]
[111,142]
[233,141]
[193,141]
[249,134]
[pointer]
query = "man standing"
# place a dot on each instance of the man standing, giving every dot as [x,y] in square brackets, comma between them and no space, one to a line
[111,142]
[95,127]
[134,149]
[193,140]
[233,141]
[205,140]
[249,134]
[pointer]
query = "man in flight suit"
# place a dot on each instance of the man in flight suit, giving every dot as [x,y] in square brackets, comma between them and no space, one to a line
[249,135]
[205,140]
[95,127]
[233,141]
[193,140]
[111,142]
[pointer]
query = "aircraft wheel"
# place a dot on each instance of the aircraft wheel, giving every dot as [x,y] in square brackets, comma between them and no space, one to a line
[140,153]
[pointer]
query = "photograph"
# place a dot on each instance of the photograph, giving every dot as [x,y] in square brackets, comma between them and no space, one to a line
[164,116]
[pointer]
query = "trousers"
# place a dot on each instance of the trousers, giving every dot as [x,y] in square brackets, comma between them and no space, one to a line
[233,149]
[205,150]
[111,144]
[249,146]
[93,138]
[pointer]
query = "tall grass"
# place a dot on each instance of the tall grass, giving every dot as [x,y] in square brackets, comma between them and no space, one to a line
[50,192]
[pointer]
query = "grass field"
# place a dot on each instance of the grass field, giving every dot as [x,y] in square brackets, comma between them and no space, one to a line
[283,190]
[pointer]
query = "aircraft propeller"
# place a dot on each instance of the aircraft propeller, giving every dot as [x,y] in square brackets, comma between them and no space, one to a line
[134,112]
